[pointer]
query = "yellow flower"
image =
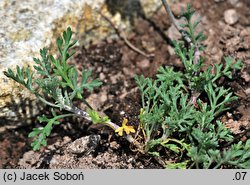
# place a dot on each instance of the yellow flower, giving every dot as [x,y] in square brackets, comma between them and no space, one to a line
[125,128]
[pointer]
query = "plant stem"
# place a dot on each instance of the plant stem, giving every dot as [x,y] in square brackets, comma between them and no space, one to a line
[174,21]
[218,165]
[77,111]
[112,125]
[194,93]
[46,102]
[171,15]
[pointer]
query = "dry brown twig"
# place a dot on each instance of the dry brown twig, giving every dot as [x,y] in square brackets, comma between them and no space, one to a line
[122,36]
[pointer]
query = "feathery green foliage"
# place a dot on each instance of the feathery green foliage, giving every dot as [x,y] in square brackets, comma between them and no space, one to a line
[185,126]
[57,86]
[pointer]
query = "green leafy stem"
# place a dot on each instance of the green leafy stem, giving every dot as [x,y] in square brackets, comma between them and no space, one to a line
[58,87]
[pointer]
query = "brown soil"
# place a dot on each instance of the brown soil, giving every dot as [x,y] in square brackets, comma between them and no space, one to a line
[116,65]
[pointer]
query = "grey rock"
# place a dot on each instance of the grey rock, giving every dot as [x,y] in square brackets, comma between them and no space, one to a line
[84,145]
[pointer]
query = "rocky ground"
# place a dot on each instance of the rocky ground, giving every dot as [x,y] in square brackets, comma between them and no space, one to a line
[227,26]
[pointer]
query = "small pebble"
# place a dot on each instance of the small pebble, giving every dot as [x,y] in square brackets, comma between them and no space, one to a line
[246,76]
[102,76]
[145,63]
[103,97]
[114,145]
[247,91]
[231,16]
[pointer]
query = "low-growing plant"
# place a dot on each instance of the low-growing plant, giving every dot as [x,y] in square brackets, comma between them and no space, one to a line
[58,86]
[176,117]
